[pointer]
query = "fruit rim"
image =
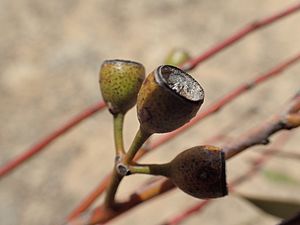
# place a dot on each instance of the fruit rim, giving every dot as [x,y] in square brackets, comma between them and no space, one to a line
[159,78]
[121,61]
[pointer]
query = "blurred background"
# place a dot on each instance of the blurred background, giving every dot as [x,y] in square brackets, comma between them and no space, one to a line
[50,55]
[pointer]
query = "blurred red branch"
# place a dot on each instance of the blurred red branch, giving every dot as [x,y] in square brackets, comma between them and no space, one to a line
[284,154]
[40,145]
[189,65]
[257,136]
[213,108]
[261,134]
[177,219]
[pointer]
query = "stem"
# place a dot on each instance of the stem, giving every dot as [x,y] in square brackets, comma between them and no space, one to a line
[89,200]
[44,142]
[151,169]
[139,139]
[109,201]
[118,134]
[116,179]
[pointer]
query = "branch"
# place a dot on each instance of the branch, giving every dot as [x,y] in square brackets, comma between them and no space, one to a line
[240,34]
[261,134]
[187,213]
[257,136]
[40,145]
[285,154]
[91,198]
[213,108]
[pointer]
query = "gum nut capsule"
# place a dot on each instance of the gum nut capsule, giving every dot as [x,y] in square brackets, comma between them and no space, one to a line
[200,172]
[168,98]
[120,81]
[177,57]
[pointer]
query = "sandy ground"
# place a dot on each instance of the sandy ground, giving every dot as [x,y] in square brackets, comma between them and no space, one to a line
[50,54]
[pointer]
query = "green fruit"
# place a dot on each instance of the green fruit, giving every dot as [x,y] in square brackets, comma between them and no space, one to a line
[177,57]
[120,81]
[200,172]
[168,98]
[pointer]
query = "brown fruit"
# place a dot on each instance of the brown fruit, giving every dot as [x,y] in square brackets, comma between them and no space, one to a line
[200,172]
[120,81]
[168,98]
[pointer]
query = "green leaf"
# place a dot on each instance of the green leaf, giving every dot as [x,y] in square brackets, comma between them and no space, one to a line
[279,177]
[280,208]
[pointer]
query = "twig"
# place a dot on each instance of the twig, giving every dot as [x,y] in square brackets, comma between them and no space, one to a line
[261,134]
[187,213]
[36,148]
[278,122]
[285,154]
[259,162]
[240,34]
[213,108]
[90,199]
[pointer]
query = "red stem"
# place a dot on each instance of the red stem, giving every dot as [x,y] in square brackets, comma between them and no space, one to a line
[239,35]
[36,148]
[89,200]
[190,211]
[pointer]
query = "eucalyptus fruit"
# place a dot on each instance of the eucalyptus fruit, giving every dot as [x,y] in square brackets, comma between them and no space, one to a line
[199,171]
[120,81]
[177,57]
[168,98]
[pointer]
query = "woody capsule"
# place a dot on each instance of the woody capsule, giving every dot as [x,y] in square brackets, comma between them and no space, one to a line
[199,171]
[168,98]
